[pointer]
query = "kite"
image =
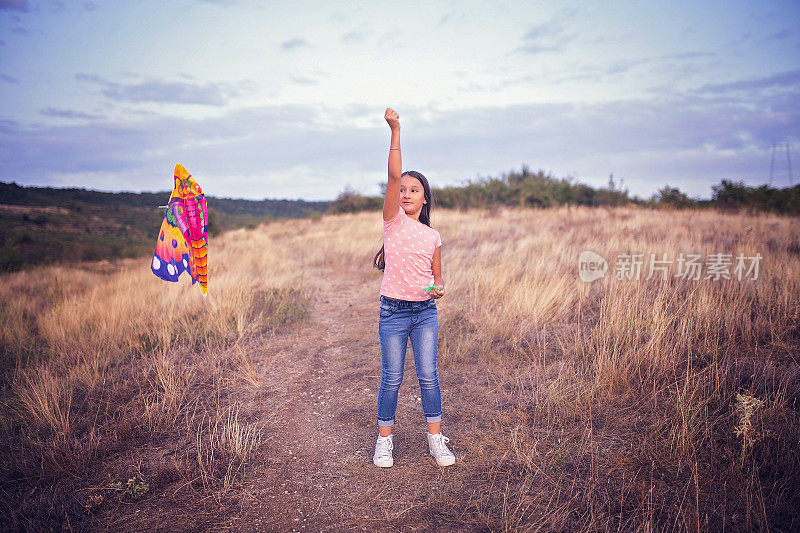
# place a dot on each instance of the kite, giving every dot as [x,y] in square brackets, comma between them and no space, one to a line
[182,244]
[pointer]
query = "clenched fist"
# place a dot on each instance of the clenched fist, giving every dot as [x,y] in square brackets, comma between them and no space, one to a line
[392,118]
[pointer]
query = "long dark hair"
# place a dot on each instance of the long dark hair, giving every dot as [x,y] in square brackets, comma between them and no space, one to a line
[424,214]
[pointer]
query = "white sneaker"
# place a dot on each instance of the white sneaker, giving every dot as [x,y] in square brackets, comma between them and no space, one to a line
[438,449]
[383,452]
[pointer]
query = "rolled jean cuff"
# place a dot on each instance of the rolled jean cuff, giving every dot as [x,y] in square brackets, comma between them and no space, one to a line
[432,419]
[386,423]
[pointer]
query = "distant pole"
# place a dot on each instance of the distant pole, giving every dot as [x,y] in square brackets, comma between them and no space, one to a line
[771,164]
[789,162]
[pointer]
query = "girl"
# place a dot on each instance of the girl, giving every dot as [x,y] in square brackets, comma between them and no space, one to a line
[410,260]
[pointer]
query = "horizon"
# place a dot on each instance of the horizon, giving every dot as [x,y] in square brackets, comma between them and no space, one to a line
[166,191]
[287,101]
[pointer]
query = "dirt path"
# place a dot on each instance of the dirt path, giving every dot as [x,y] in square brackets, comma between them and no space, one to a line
[315,471]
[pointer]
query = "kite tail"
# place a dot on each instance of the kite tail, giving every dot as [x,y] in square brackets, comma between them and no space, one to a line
[197,237]
[200,252]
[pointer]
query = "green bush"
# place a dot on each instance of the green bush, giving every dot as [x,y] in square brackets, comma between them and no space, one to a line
[672,197]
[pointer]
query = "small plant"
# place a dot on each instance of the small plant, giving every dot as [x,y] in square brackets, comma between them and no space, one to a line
[747,405]
[93,503]
[135,488]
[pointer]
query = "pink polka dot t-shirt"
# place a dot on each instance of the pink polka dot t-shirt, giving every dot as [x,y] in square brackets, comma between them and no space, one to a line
[408,247]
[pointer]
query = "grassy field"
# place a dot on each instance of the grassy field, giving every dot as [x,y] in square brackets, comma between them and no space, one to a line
[621,404]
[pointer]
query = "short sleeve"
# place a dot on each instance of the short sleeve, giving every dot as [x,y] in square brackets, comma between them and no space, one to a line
[387,224]
[438,240]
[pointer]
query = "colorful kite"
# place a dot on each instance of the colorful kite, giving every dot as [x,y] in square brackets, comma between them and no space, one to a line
[182,243]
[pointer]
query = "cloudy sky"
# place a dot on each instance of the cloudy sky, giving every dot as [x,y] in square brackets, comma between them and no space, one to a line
[286,99]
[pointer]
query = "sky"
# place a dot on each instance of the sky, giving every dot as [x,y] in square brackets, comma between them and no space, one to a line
[286,99]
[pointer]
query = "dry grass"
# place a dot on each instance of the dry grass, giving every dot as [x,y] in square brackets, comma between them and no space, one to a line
[665,357]
[649,405]
[104,358]
[223,446]
[43,400]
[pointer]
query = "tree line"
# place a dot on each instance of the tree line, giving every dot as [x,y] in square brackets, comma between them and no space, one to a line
[539,189]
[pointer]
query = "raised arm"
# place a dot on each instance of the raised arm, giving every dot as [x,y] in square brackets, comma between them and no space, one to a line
[391,203]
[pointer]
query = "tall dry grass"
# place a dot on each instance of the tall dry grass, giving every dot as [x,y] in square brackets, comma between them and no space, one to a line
[661,404]
[653,367]
[613,404]
[106,357]
[223,446]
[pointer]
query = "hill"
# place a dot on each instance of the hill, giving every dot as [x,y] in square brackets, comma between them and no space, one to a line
[44,225]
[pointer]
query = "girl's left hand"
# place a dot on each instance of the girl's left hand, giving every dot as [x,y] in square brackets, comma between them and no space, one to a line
[437,293]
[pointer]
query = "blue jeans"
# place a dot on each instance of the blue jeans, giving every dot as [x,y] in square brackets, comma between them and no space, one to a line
[400,319]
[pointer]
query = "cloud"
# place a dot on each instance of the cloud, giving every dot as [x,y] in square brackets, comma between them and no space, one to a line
[691,55]
[474,86]
[549,36]
[68,113]
[304,80]
[266,147]
[453,18]
[541,38]
[355,36]
[296,42]
[89,77]
[14,5]
[596,72]
[778,36]
[541,31]
[8,127]
[691,141]
[783,79]
[624,65]
[9,79]
[680,65]
[168,92]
